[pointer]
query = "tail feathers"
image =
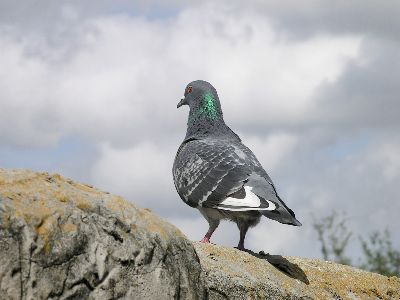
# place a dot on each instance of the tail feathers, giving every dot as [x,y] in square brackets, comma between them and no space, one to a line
[282,216]
[296,222]
[285,211]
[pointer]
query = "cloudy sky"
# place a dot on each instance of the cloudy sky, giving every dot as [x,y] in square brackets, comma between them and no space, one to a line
[88,89]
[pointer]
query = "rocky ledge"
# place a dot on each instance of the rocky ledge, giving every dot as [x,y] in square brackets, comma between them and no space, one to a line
[234,274]
[65,240]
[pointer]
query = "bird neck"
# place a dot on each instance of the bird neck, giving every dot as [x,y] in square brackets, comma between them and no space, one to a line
[202,124]
[206,119]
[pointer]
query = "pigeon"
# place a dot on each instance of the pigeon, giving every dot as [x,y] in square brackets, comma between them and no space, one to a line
[216,173]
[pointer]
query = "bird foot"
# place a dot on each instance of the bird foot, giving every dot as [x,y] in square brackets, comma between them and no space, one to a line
[241,247]
[205,240]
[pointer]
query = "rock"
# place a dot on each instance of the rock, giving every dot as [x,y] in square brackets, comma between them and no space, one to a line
[234,274]
[65,240]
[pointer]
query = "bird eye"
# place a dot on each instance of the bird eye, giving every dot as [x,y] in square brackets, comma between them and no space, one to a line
[189,89]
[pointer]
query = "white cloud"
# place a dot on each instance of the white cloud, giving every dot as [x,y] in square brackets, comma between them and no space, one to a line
[386,157]
[112,77]
[126,73]
[277,238]
[272,149]
[141,173]
[24,96]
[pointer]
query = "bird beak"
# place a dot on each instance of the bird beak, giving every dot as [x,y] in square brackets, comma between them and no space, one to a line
[182,102]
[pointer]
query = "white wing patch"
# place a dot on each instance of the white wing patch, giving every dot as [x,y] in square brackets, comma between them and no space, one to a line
[250,202]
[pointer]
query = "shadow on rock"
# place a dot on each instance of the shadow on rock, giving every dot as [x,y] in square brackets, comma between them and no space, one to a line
[282,264]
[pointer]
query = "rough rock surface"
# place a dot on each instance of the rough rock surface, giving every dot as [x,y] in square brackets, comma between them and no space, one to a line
[64,240]
[234,274]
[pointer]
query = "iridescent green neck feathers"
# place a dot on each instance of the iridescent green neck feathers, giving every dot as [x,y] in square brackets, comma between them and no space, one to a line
[208,109]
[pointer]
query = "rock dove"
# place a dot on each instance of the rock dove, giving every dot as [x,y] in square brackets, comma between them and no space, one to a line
[214,172]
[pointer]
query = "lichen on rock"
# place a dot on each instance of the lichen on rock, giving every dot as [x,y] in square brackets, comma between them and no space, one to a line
[62,240]
[234,274]
[65,240]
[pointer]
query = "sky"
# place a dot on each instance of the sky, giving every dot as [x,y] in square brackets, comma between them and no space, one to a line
[88,89]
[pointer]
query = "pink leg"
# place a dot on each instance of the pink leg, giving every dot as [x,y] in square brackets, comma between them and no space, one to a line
[206,238]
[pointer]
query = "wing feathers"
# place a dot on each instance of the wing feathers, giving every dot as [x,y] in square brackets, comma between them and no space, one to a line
[250,202]
[226,175]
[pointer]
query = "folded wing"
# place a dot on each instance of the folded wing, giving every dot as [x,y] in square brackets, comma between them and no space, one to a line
[227,176]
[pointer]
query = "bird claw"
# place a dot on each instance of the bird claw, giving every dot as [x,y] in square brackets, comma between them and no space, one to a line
[241,248]
[205,240]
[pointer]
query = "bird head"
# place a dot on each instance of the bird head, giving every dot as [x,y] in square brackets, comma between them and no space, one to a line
[202,99]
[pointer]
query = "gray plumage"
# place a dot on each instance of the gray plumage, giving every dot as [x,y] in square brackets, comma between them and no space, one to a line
[214,172]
